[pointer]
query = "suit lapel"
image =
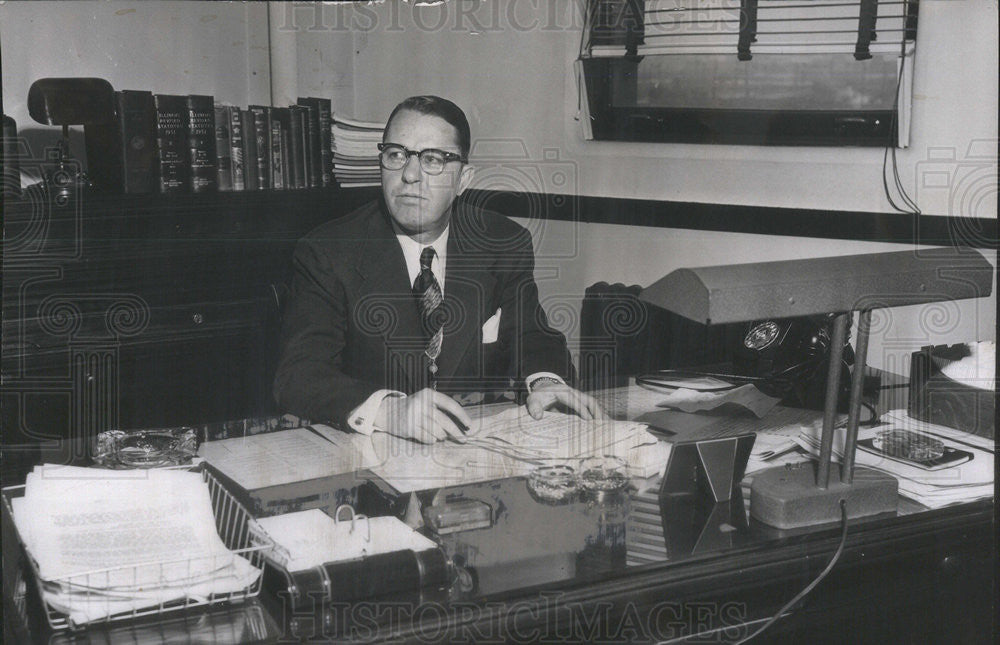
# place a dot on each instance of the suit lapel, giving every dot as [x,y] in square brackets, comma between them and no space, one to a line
[385,283]
[467,285]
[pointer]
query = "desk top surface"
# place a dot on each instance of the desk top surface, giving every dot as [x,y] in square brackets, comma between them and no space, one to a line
[532,550]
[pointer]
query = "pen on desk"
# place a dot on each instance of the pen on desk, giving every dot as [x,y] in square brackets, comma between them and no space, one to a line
[319,434]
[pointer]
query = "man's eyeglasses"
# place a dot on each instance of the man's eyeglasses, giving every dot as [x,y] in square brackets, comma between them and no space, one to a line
[393,156]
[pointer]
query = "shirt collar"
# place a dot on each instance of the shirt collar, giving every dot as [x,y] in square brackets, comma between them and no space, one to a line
[412,249]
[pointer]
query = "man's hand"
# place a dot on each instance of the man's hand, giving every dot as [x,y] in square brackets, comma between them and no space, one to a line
[426,416]
[549,394]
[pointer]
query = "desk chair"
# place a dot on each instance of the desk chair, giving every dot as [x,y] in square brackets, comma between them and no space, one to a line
[620,337]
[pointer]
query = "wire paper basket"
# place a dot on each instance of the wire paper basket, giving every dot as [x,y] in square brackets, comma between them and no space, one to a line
[233,523]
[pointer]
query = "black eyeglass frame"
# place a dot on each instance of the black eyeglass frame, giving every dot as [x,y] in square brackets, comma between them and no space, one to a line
[448,156]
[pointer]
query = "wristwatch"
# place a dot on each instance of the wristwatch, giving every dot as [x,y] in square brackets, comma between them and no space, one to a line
[541,380]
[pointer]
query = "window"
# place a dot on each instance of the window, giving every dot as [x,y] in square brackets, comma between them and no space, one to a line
[756,72]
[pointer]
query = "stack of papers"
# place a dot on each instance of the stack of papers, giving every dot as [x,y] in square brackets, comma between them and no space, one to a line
[294,455]
[511,444]
[777,439]
[308,539]
[111,541]
[967,480]
[355,151]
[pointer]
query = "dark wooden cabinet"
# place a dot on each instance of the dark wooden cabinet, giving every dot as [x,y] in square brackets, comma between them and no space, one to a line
[145,311]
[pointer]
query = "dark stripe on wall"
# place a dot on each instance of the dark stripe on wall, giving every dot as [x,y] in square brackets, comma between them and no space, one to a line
[979,232]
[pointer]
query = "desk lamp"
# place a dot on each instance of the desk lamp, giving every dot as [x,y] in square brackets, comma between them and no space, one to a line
[89,102]
[794,498]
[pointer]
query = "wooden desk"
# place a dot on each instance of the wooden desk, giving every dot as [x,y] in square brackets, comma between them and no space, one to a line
[558,573]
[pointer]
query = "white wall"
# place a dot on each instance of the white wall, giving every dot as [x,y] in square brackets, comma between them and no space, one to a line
[508,63]
[216,48]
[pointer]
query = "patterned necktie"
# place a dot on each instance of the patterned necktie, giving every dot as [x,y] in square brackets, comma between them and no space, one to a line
[429,297]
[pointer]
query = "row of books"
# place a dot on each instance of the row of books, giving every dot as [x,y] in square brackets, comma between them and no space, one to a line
[177,143]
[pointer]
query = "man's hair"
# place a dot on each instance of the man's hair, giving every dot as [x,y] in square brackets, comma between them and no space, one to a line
[443,109]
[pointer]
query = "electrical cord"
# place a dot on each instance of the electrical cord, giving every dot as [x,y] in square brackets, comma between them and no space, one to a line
[585,32]
[812,585]
[909,206]
[788,605]
[583,50]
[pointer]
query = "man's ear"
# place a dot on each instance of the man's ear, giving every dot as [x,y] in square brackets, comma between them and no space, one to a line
[465,179]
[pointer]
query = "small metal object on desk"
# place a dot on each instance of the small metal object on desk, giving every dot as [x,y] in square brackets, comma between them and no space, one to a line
[149,448]
[602,476]
[553,484]
[914,446]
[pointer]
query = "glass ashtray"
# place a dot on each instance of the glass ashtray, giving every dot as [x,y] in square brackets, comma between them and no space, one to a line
[553,484]
[906,444]
[151,448]
[604,474]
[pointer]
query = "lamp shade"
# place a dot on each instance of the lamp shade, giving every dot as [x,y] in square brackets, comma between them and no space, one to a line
[787,288]
[72,101]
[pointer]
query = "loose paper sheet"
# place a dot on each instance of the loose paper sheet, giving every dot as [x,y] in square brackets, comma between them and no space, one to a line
[511,443]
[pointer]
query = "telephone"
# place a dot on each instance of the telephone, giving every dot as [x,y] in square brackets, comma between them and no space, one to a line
[787,358]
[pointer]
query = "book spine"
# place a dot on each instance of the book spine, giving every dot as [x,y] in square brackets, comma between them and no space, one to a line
[326,146]
[304,145]
[251,172]
[314,178]
[138,138]
[315,147]
[296,162]
[262,132]
[286,172]
[223,148]
[237,147]
[279,144]
[201,143]
[173,162]
[277,163]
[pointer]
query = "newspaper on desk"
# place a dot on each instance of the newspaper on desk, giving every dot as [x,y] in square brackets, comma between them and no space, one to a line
[110,541]
[512,443]
[964,482]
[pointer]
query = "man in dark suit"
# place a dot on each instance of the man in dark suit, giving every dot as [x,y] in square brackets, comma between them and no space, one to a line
[418,295]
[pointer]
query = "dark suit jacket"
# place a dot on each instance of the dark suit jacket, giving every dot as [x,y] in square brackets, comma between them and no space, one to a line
[352,326]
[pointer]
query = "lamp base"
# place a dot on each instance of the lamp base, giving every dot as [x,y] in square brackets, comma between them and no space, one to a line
[786,497]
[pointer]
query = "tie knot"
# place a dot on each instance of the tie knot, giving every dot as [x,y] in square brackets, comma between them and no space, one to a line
[426,257]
